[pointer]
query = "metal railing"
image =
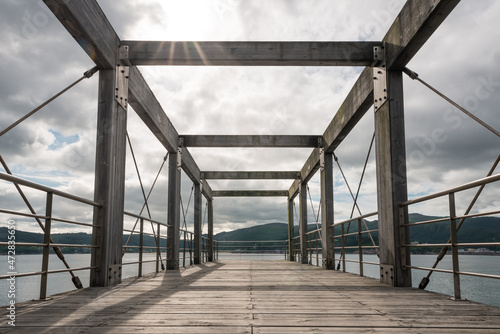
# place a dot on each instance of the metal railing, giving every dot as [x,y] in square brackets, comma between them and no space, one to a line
[453,242]
[352,242]
[46,228]
[156,235]
[251,248]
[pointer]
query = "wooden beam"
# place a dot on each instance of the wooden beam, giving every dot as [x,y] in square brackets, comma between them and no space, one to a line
[303,222]
[251,53]
[327,213]
[198,214]
[249,141]
[291,256]
[145,104]
[210,223]
[173,212]
[415,24]
[294,189]
[392,184]
[250,193]
[356,104]
[250,175]
[189,166]
[109,189]
[417,21]
[88,25]
[207,191]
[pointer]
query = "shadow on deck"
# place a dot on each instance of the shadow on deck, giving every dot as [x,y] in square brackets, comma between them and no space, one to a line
[253,297]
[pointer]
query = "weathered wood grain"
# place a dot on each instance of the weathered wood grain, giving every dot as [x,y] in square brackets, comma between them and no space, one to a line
[253,297]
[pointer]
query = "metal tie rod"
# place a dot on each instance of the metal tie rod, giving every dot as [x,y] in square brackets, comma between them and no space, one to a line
[86,75]
[414,76]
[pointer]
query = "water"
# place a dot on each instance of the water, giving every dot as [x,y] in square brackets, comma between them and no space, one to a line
[483,290]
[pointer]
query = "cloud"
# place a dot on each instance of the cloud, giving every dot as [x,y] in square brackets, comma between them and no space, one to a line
[444,148]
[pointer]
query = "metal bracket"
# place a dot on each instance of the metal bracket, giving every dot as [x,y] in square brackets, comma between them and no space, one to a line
[179,158]
[387,274]
[378,55]
[114,274]
[322,159]
[379,78]
[123,53]
[320,142]
[121,89]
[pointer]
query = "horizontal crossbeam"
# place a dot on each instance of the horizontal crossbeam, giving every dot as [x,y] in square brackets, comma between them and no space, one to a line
[261,175]
[250,141]
[250,193]
[251,53]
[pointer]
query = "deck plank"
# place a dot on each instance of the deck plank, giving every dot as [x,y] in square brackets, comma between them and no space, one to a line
[253,297]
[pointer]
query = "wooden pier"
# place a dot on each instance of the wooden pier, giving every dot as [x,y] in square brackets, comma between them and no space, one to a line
[253,297]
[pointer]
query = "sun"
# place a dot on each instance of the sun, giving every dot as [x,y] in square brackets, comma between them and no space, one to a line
[187,20]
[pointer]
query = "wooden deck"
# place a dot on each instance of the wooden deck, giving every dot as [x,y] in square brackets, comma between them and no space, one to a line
[253,297]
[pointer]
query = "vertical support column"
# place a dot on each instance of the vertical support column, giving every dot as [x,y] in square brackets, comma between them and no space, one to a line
[210,230]
[109,184]
[454,248]
[391,177]
[303,222]
[328,252]
[174,210]
[290,230]
[46,248]
[198,204]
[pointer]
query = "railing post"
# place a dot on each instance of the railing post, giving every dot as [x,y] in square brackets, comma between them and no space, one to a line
[184,250]
[343,247]
[46,247]
[291,231]
[174,209]
[360,248]
[141,245]
[327,233]
[454,247]
[198,210]
[191,251]
[158,248]
[316,246]
[391,176]
[303,222]
[211,231]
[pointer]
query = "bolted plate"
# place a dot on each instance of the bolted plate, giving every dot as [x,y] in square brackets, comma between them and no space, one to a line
[115,274]
[387,274]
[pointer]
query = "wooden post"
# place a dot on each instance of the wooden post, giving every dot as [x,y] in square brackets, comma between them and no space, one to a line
[174,210]
[454,248]
[210,230]
[198,205]
[328,252]
[303,222]
[290,230]
[46,248]
[109,184]
[391,182]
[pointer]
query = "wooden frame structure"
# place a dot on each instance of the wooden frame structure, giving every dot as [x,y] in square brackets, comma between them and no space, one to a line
[379,84]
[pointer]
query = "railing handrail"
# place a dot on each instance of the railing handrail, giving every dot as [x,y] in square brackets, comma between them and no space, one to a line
[144,218]
[34,185]
[252,241]
[355,218]
[463,187]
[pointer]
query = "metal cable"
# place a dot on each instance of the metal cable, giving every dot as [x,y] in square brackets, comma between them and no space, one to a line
[414,76]
[359,188]
[86,75]
[75,279]
[149,193]
[144,195]
[350,191]
[444,250]
[316,217]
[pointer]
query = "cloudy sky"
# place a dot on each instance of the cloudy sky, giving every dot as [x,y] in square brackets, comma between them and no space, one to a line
[56,146]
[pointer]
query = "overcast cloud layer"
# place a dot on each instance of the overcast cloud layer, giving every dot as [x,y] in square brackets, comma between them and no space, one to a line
[56,147]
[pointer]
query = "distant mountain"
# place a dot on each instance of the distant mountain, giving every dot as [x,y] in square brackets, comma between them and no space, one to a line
[482,229]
